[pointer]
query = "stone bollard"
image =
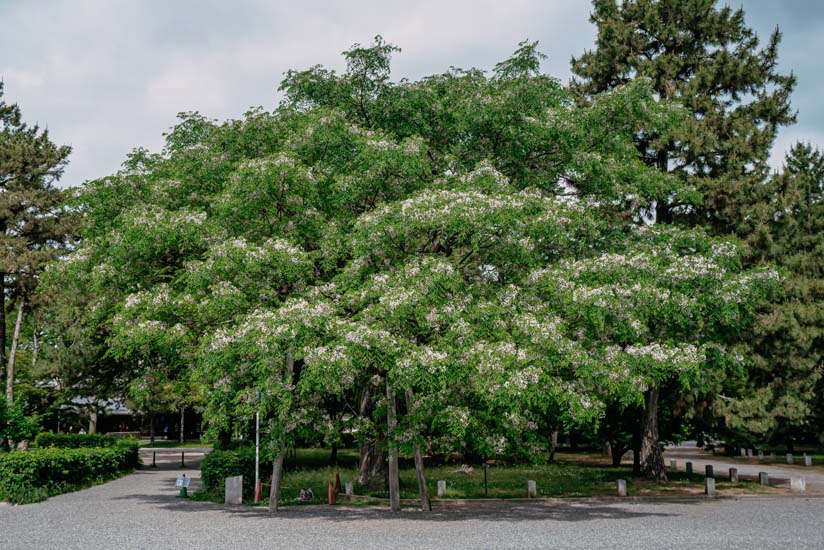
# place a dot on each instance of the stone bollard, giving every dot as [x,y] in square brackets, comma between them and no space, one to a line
[441,488]
[743,453]
[798,484]
[531,488]
[789,458]
[709,486]
[747,452]
[808,460]
[760,455]
[622,487]
[349,488]
[733,475]
[772,457]
[689,467]
[673,465]
[234,490]
[763,478]
[708,469]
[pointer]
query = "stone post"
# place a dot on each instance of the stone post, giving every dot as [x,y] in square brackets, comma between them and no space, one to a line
[789,458]
[808,460]
[743,452]
[763,478]
[622,487]
[708,469]
[689,467]
[441,488]
[733,475]
[531,488]
[772,457]
[348,487]
[747,452]
[798,484]
[760,455]
[709,486]
[234,490]
[673,465]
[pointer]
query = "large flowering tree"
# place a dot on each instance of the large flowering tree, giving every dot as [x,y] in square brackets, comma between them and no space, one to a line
[446,262]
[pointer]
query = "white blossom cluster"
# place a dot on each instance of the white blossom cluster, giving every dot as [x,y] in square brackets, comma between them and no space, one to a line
[153,217]
[485,169]
[688,268]
[432,361]
[269,326]
[738,289]
[679,356]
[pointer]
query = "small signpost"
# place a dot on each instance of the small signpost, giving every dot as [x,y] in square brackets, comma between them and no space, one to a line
[183,483]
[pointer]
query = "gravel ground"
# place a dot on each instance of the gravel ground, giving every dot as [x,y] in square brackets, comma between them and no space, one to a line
[141,511]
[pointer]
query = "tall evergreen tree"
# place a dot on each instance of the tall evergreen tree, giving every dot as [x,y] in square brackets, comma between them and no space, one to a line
[32,222]
[706,58]
[786,227]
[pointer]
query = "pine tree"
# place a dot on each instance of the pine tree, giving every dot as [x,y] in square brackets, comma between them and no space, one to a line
[786,223]
[705,58]
[33,225]
[708,60]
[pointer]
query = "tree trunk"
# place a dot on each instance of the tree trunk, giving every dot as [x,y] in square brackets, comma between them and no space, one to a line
[372,472]
[277,467]
[12,355]
[182,432]
[2,324]
[35,346]
[553,445]
[277,474]
[652,458]
[93,421]
[426,505]
[618,451]
[391,422]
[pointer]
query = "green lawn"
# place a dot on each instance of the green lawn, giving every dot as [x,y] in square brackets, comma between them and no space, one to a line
[583,475]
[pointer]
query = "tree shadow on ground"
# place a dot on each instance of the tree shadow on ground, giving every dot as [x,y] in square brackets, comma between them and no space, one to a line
[498,511]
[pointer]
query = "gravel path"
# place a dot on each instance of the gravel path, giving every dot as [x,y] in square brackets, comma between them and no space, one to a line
[141,511]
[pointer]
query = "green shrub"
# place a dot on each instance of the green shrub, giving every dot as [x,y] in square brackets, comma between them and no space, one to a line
[218,465]
[33,475]
[73,441]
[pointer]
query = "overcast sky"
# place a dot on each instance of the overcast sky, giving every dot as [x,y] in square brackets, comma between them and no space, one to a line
[106,76]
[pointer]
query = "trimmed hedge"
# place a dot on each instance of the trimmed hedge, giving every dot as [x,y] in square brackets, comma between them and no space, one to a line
[218,465]
[73,441]
[29,476]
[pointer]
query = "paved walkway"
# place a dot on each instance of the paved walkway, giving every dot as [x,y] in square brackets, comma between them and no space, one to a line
[141,511]
[779,473]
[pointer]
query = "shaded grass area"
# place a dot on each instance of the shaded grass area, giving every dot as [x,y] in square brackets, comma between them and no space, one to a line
[572,476]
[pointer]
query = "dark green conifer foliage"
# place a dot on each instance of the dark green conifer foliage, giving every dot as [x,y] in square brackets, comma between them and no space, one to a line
[32,224]
[706,58]
[785,225]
